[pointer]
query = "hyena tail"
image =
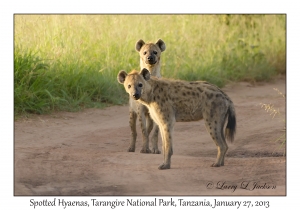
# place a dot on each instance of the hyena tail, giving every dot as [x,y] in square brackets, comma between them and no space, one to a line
[231,124]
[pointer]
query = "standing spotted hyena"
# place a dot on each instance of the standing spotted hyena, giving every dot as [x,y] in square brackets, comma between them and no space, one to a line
[150,59]
[169,101]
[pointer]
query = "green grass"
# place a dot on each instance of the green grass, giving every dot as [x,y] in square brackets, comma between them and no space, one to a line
[69,62]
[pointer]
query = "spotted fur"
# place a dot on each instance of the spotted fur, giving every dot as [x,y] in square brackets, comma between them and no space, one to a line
[170,101]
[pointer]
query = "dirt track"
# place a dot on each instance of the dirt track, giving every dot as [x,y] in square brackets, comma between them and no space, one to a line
[85,153]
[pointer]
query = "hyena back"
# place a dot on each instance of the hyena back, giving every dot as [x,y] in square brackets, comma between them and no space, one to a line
[171,101]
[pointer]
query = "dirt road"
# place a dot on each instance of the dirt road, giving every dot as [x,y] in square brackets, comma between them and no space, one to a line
[85,153]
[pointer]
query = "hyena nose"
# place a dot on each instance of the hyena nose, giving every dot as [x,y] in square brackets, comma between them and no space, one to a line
[150,58]
[136,96]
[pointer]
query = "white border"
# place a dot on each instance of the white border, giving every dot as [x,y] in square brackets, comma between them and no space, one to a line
[8,8]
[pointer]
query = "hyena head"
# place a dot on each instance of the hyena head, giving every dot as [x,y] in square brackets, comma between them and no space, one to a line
[150,52]
[135,83]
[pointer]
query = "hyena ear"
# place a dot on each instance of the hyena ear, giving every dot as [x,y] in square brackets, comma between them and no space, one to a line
[139,44]
[121,76]
[162,46]
[145,73]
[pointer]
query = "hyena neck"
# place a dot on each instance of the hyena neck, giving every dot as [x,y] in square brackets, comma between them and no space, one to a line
[154,69]
[148,96]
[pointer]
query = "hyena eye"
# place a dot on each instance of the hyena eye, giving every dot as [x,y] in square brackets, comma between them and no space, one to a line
[154,52]
[145,53]
[140,85]
[129,86]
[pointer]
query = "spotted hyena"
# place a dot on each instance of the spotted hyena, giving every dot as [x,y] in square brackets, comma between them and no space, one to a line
[169,101]
[150,59]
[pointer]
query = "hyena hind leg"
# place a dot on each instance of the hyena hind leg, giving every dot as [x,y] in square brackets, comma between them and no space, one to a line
[215,129]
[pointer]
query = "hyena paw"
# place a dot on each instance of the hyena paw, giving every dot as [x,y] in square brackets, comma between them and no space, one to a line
[216,165]
[164,166]
[155,151]
[131,149]
[145,151]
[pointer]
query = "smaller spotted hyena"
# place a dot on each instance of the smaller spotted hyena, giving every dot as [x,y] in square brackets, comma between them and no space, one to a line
[169,101]
[150,59]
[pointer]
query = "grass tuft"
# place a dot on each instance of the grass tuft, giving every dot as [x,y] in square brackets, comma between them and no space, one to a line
[274,112]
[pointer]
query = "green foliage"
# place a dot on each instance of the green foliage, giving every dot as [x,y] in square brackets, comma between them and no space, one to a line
[67,62]
[40,89]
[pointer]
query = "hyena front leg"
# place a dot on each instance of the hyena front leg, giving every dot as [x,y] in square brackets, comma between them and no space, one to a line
[132,124]
[143,112]
[166,131]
